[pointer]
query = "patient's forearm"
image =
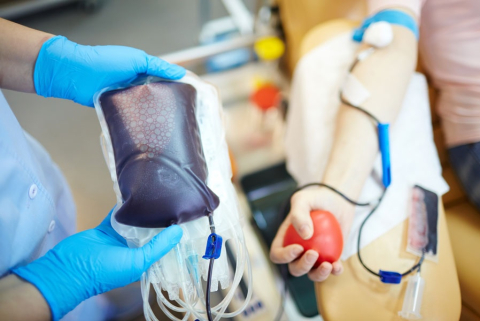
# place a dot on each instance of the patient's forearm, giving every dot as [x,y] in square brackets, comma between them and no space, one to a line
[386,75]
[19,47]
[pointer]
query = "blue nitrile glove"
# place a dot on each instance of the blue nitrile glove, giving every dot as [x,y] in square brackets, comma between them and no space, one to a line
[92,262]
[68,70]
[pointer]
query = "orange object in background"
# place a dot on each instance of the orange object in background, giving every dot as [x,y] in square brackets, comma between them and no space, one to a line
[233,164]
[265,97]
[327,239]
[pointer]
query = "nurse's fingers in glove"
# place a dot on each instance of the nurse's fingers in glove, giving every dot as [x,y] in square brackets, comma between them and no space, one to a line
[65,69]
[161,244]
[304,264]
[160,68]
[321,273]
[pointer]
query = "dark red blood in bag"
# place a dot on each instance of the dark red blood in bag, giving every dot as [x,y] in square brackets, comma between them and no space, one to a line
[327,239]
[159,160]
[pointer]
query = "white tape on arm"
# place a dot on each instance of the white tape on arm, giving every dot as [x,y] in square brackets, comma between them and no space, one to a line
[354,92]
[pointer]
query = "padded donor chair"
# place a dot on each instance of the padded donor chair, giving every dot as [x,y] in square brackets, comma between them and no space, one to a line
[356,295]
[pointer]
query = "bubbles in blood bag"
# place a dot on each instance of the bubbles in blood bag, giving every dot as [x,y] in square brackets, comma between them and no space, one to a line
[159,160]
[148,113]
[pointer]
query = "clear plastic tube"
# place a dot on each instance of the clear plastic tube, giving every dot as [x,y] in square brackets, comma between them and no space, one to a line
[189,307]
[166,302]
[219,309]
[229,296]
[412,302]
[249,293]
[149,315]
[242,258]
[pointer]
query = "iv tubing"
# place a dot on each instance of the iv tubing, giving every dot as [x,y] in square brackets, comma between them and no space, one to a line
[218,311]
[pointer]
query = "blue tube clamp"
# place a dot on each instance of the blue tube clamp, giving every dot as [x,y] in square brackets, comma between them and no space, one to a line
[390,277]
[214,247]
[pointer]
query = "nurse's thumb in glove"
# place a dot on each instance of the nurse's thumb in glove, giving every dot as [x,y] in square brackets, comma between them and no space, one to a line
[161,244]
[160,68]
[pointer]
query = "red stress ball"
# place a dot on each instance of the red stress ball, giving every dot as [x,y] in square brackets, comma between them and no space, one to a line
[327,239]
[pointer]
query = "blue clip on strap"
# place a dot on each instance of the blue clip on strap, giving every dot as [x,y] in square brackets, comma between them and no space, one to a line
[383,142]
[395,17]
[214,247]
[390,277]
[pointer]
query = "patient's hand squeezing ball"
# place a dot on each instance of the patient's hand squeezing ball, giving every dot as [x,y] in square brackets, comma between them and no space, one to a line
[327,239]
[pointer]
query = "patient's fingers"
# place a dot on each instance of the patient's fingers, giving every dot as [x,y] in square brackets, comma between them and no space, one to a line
[321,273]
[304,264]
[337,268]
[281,255]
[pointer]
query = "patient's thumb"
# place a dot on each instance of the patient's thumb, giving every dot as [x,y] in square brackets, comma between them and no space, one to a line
[300,216]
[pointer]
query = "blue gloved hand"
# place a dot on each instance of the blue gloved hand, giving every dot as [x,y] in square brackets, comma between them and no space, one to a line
[92,262]
[68,70]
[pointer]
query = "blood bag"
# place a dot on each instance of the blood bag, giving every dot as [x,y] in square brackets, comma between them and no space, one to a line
[423,224]
[164,144]
[161,174]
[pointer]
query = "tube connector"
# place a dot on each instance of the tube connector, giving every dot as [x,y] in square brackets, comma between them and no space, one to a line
[413,298]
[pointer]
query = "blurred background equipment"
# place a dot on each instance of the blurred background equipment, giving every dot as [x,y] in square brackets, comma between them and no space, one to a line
[14,9]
